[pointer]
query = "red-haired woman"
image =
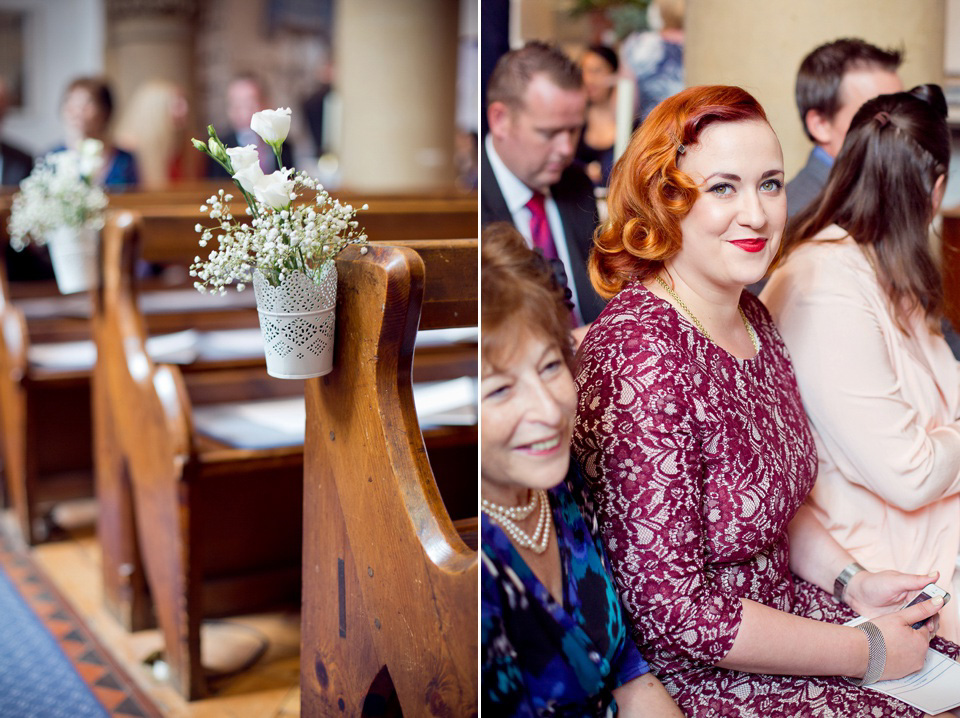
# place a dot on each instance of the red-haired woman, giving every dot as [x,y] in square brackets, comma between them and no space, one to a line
[692,435]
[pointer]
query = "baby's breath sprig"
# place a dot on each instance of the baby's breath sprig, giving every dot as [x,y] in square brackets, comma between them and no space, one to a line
[300,237]
[280,237]
[58,193]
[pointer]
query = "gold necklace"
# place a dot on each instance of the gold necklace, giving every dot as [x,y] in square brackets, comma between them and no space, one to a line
[696,322]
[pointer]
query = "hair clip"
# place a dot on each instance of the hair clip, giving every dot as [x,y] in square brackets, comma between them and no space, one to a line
[882,118]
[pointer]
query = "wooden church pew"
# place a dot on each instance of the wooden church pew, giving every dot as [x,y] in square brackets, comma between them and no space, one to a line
[46,355]
[389,587]
[128,516]
[38,408]
[32,395]
[218,527]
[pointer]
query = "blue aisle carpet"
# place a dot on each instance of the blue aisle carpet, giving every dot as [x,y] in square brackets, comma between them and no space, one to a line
[51,666]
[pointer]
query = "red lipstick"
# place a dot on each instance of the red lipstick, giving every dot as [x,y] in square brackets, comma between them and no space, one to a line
[750,245]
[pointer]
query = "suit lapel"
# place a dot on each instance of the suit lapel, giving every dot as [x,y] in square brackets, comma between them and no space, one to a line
[493,207]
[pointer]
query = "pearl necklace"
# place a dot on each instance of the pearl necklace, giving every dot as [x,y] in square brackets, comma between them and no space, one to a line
[506,517]
[696,322]
[517,513]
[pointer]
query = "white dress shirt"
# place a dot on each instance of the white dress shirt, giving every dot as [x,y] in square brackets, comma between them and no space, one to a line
[516,194]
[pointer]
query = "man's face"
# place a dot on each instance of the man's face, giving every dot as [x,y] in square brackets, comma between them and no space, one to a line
[243,100]
[537,141]
[857,87]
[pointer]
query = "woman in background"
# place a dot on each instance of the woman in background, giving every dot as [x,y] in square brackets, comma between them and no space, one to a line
[599,65]
[655,57]
[692,436]
[86,111]
[554,640]
[858,301]
[154,127]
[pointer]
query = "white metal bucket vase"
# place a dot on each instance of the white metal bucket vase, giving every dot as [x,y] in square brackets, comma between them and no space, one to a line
[297,321]
[74,251]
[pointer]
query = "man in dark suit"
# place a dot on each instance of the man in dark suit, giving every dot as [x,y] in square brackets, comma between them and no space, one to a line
[536,108]
[833,82]
[246,95]
[15,164]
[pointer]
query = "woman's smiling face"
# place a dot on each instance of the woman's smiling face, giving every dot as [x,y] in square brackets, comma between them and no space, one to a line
[733,231]
[528,404]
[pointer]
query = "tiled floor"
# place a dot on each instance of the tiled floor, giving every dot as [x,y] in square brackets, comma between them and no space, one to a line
[270,689]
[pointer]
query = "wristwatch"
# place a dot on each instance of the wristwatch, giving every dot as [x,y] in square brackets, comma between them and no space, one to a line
[841,582]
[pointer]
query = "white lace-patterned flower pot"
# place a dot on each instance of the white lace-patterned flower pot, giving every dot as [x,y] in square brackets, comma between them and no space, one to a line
[297,321]
[74,253]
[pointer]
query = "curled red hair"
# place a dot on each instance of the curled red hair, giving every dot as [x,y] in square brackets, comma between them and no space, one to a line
[648,194]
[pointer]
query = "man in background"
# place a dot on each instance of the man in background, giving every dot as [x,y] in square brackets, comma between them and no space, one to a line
[536,108]
[833,82]
[15,164]
[246,95]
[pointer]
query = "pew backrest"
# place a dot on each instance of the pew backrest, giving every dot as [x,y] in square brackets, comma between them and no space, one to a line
[416,578]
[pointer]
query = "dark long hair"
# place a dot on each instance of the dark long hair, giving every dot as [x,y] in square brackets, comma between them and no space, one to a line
[880,191]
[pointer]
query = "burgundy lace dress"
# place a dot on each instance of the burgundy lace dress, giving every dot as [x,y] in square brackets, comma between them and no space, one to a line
[698,461]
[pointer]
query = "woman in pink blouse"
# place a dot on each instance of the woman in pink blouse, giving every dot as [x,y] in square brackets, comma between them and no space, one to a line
[692,435]
[858,301]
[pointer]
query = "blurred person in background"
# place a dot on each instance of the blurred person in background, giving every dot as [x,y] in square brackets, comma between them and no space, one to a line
[536,110]
[247,95]
[86,111]
[154,126]
[656,57]
[834,80]
[15,164]
[595,150]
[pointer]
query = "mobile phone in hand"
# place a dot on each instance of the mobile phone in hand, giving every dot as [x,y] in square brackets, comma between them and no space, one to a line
[929,591]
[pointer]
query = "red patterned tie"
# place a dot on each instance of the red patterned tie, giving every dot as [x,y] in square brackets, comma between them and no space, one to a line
[540,227]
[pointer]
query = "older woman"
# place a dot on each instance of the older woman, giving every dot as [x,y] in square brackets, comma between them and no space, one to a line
[554,639]
[692,436]
[858,301]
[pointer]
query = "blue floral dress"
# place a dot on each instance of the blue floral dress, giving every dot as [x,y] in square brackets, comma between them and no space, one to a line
[540,658]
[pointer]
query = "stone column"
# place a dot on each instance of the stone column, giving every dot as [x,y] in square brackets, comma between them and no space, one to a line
[396,76]
[759,45]
[150,39]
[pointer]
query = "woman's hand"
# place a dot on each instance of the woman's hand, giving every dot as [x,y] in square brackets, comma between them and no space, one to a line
[906,647]
[876,593]
[645,697]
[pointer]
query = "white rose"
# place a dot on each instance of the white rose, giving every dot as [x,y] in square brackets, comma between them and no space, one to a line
[249,176]
[274,189]
[243,157]
[272,125]
[90,157]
